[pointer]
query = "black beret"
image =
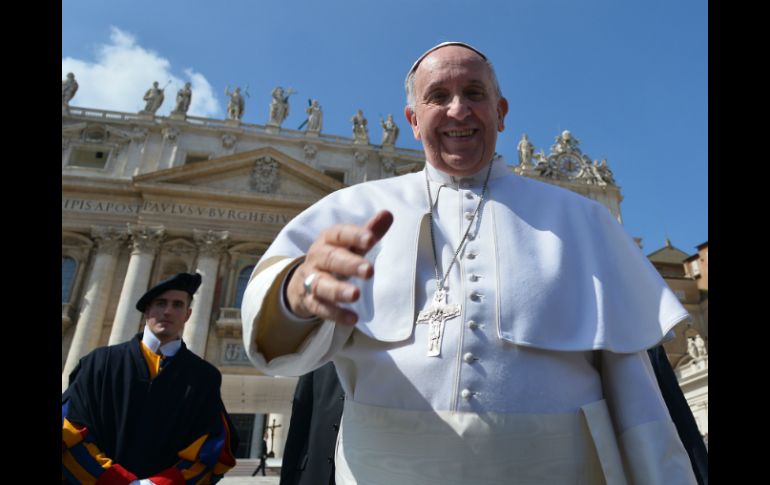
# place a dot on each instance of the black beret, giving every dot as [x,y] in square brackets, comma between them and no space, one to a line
[182,281]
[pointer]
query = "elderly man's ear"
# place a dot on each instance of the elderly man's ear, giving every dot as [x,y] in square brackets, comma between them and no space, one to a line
[502,110]
[411,117]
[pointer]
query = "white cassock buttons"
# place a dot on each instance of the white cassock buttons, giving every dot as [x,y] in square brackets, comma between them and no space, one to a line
[469,195]
[472,325]
[469,215]
[469,358]
[472,255]
[466,394]
[474,277]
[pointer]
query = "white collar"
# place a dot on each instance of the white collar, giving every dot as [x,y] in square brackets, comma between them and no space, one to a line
[474,182]
[499,169]
[152,342]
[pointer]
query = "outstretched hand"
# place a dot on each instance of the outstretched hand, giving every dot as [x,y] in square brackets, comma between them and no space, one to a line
[335,256]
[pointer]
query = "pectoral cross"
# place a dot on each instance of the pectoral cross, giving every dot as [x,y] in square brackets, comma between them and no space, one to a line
[435,316]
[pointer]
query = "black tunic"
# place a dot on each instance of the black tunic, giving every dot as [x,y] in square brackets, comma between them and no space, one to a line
[308,457]
[140,423]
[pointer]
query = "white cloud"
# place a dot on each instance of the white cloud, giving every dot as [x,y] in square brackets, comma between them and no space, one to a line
[124,71]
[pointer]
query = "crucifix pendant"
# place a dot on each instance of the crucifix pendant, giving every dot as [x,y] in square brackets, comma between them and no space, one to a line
[435,316]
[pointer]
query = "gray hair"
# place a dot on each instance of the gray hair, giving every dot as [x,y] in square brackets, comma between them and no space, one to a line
[409,83]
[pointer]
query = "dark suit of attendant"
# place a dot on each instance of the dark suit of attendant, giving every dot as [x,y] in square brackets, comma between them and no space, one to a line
[308,457]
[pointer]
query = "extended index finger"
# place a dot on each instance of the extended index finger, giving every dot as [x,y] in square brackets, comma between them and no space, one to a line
[378,225]
[359,238]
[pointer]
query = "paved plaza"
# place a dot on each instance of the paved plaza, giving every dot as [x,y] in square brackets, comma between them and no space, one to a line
[244,467]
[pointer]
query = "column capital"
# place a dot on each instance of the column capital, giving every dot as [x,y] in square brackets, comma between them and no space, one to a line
[211,243]
[108,239]
[146,239]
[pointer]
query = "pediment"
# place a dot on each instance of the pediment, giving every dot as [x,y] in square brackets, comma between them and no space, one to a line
[668,254]
[263,173]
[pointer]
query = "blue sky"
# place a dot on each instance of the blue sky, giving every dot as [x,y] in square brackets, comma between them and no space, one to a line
[628,78]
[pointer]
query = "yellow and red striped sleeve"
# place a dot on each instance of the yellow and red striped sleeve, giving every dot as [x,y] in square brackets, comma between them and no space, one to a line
[204,461]
[84,463]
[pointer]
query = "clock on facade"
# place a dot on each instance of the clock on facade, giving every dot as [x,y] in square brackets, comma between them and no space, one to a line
[569,165]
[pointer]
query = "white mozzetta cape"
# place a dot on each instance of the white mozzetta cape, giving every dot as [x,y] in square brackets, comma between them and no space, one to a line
[569,276]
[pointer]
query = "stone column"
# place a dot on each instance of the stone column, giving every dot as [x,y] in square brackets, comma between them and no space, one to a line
[232,280]
[88,331]
[144,242]
[210,246]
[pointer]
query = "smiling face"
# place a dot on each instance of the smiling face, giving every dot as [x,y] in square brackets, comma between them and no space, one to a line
[167,314]
[457,111]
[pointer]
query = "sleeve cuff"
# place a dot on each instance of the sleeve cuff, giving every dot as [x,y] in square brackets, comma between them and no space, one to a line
[283,305]
[169,476]
[655,455]
[262,307]
[116,475]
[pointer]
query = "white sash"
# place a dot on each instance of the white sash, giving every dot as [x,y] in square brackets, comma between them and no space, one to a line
[388,446]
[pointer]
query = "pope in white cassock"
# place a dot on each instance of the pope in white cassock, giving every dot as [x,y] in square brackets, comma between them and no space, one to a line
[486,328]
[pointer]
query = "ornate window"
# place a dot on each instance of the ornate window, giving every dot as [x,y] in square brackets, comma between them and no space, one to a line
[76,249]
[243,280]
[90,156]
[68,270]
[94,145]
[242,258]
